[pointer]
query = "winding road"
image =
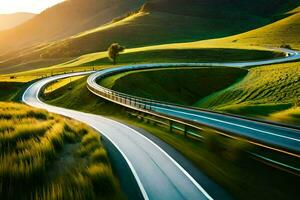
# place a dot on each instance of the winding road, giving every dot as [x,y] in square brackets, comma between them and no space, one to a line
[283,138]
[157,174]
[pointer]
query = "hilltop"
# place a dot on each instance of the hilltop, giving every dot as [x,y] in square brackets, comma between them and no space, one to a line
[63,20]
[156,22]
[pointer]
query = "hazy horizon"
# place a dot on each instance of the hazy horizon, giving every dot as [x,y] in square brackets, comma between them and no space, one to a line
[27,6]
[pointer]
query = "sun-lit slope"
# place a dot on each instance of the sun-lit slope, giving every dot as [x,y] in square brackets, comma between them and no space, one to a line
[285,31]
[65,19]
[45,156]
[263,91]
[60,83]
[8,21]
[291,115]
[243,179]
[181,21]
[197,21]
[139,55]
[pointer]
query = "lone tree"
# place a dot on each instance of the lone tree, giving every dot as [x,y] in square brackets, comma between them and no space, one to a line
[114,50]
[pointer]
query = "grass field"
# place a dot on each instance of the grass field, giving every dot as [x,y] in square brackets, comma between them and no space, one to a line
[287,116]
[221,159]
[59,158]
[265,90]
[45,156]
[9,90]
[141,55]
[183,85]
[284,31]
[173,24]
[60,83]
[261,92]
[190,55]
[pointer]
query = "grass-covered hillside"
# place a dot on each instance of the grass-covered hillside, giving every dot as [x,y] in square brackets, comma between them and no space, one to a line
[45,156]
[185,55]
[183,86]
[270,92]
[63,20]
[222,159]
[176,21]
[179,21]
[282,32]
[143,55]
[265,90]
[11,91]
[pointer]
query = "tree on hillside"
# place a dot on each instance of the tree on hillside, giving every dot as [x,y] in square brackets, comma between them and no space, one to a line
[113,52]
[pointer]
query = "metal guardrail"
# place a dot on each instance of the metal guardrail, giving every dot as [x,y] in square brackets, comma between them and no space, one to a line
[146,105]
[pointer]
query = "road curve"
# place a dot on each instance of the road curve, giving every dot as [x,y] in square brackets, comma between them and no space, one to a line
[276,136]
[157,174]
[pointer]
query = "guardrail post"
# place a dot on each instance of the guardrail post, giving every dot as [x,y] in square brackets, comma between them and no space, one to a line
[185,130]
[171,126]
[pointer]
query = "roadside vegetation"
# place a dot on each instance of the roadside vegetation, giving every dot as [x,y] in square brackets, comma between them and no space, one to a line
[10,91]
[190,56]
[224,160]
[151,26]
[60,83]
[140,55]
[265,91]
[45,156]
[268,92]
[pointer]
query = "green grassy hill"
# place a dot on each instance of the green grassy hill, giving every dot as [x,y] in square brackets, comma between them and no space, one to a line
[270,92]
[181,22]
[285,31]
[187,55]
[183,86]
[11,91]
[196,21]
[45,156]
[220,158]
[63,20]
[264,91]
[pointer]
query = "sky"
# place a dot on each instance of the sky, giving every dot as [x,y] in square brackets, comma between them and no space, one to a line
[33,6]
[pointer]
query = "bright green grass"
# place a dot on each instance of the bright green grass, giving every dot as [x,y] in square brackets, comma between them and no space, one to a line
[183,86]
[223,160]
[285,31]
[45,156]
[154,27]
[60,83]
[268,88]
[190,55]
[263,91]
[132,56]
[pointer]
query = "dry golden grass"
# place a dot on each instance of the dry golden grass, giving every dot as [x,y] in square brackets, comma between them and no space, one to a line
[45,156]
[291,115]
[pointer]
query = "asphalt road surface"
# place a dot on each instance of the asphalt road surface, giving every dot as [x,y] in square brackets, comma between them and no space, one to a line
[157,174]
